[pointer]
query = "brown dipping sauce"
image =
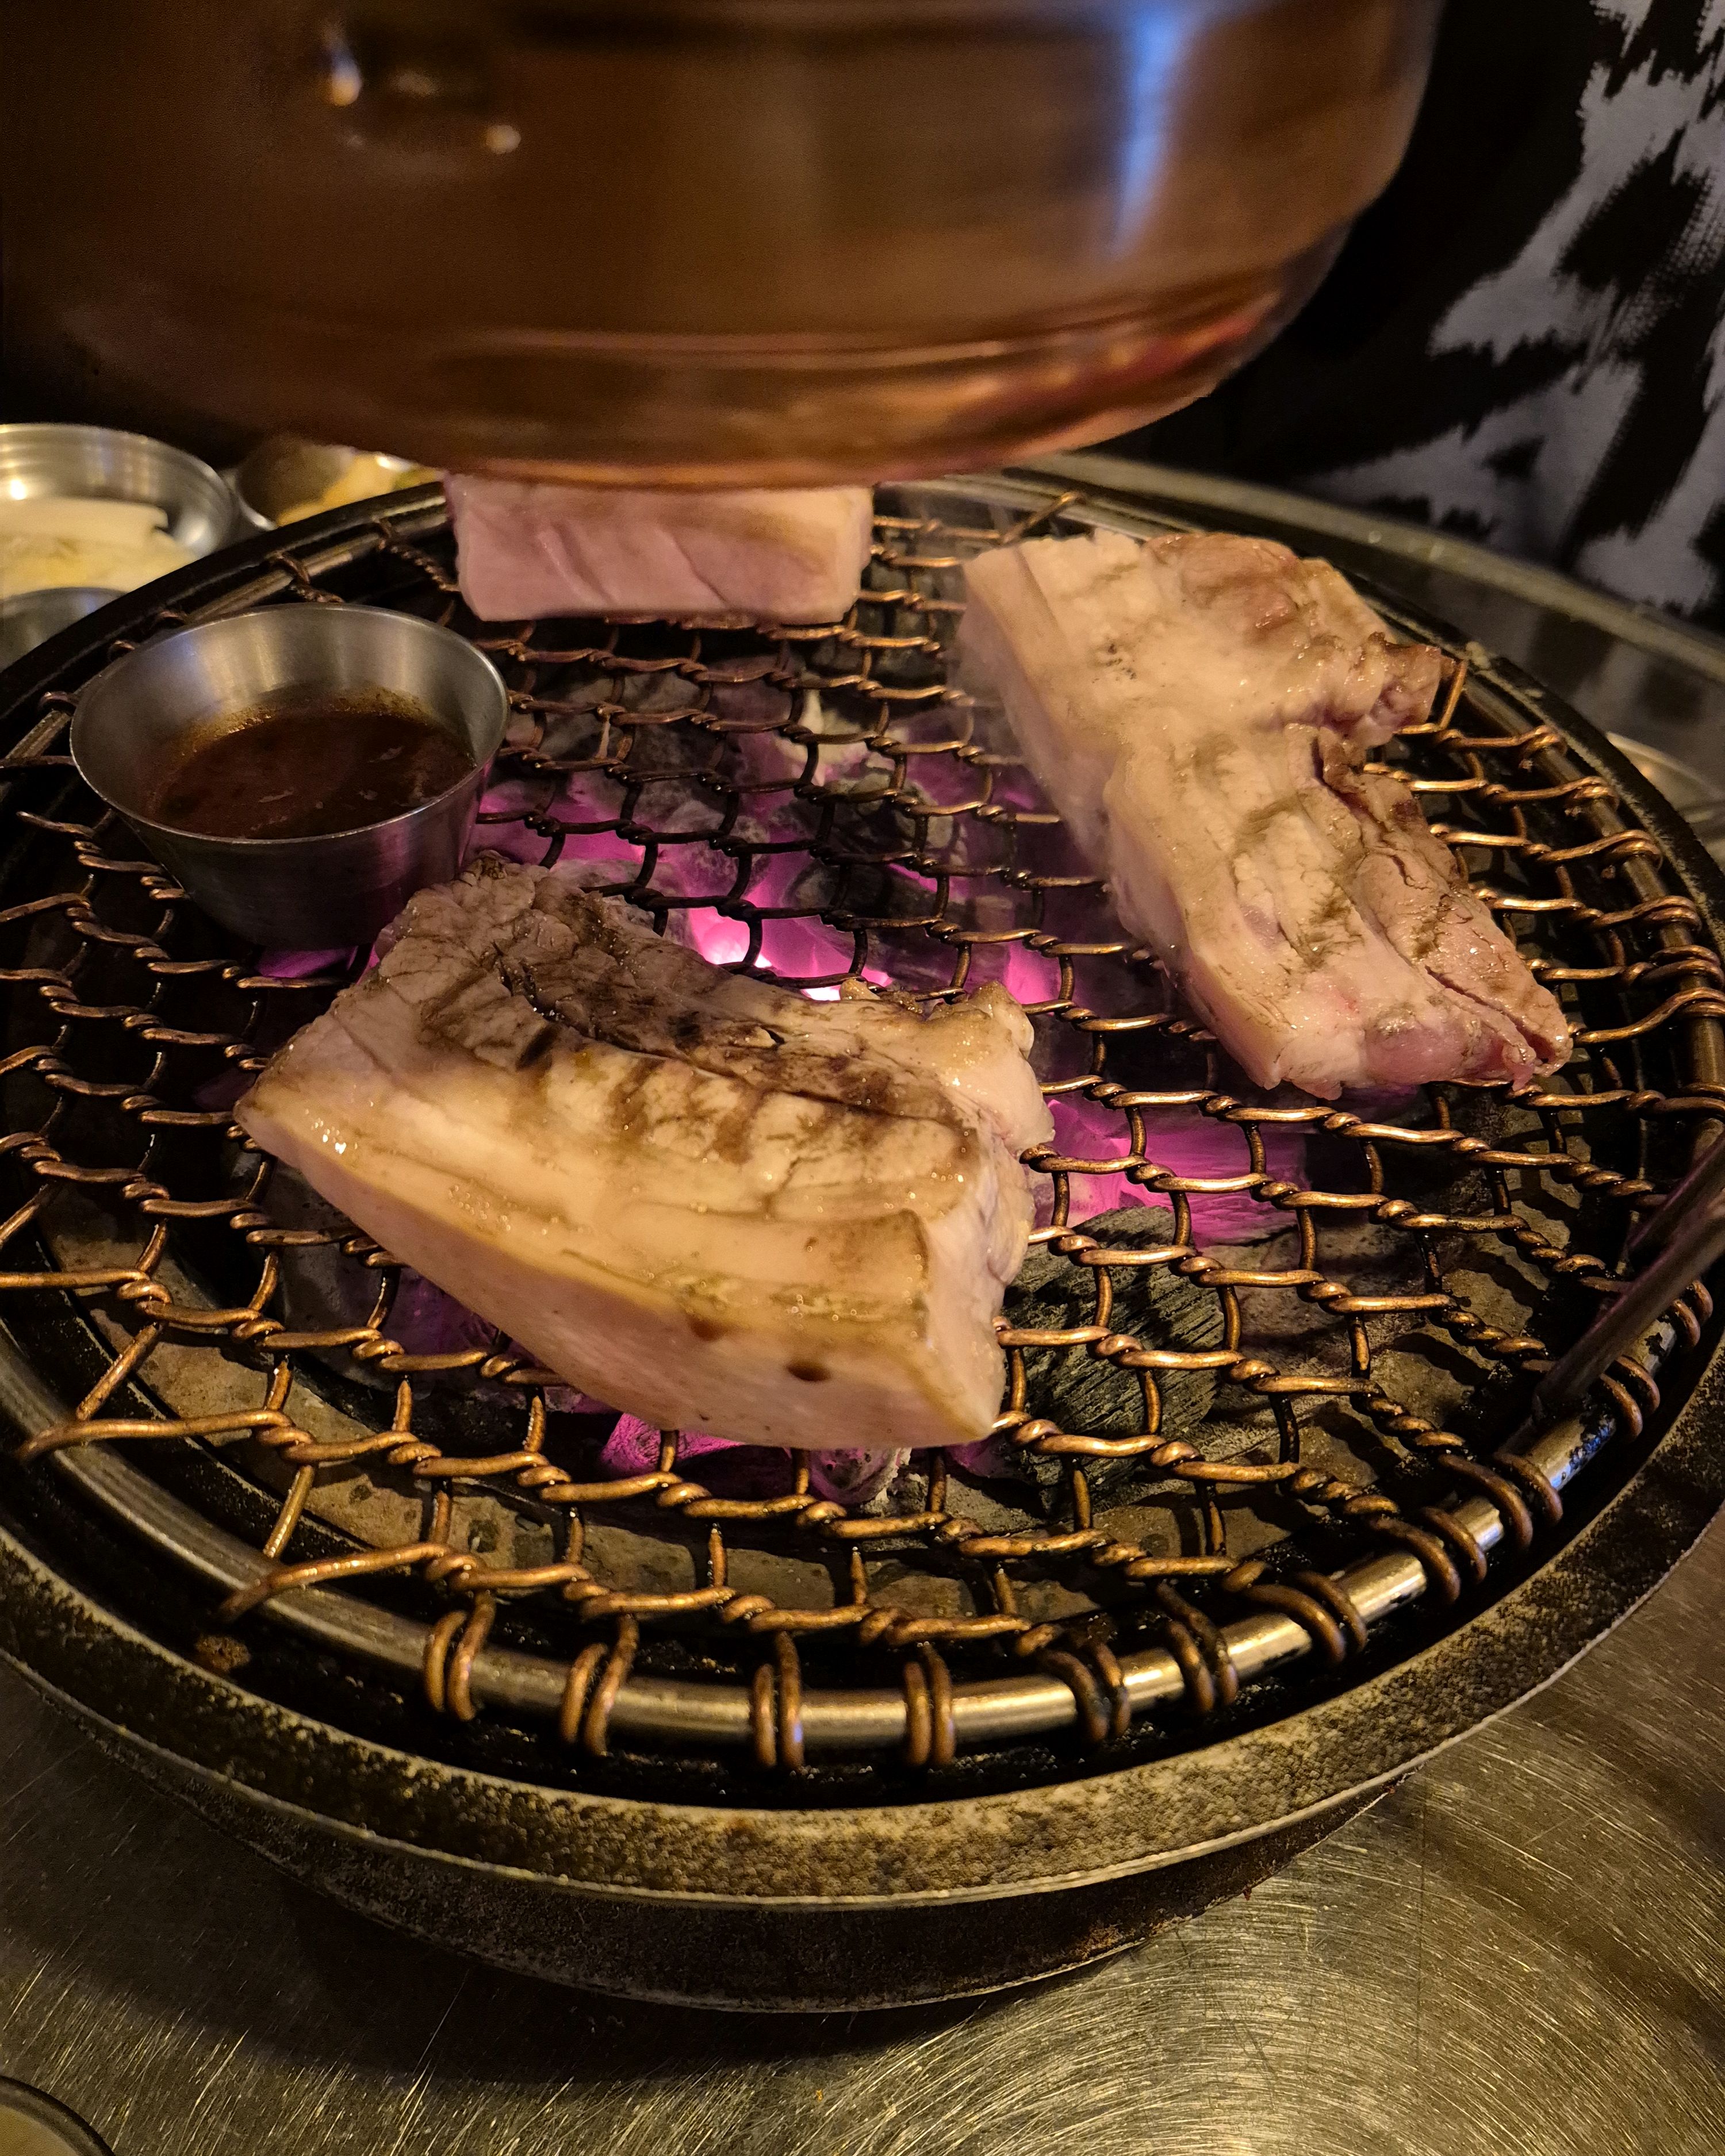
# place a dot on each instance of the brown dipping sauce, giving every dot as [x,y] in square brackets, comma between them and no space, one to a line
[304,767]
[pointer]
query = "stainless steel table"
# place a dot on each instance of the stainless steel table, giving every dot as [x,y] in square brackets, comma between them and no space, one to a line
[1522,1951]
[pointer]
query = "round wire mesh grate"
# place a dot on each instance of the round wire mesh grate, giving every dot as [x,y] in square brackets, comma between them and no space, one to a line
[1265,1361]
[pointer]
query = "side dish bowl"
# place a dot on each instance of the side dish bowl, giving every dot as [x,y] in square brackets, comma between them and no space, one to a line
[105,464]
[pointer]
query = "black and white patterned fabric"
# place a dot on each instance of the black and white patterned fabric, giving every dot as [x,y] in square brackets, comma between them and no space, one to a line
[1523,341]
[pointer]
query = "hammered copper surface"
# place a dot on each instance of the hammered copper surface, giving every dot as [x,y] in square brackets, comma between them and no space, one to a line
[823,804]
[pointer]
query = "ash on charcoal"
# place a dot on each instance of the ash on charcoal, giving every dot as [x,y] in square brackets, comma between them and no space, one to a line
[1159,1306]
[1088,1395]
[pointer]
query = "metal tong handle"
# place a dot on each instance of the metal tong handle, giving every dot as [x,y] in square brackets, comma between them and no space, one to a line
[1680,1240]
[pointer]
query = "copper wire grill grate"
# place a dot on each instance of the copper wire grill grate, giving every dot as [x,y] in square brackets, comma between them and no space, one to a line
[1382,1279]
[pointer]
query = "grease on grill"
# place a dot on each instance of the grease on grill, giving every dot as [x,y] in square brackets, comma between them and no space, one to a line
[308,767]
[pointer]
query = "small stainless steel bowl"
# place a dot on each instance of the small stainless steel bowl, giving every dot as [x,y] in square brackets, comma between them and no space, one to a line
[100,462]
[287,470]
[31,617]
[307,894]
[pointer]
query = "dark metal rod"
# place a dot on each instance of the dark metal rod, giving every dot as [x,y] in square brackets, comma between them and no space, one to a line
[1690,1244]
[1698,1191]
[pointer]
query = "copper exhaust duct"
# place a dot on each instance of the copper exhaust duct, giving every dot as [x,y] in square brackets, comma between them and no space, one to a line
[689,242]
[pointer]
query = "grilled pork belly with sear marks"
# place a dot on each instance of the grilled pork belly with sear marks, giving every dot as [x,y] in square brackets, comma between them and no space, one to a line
[1197,708]
[702,1198]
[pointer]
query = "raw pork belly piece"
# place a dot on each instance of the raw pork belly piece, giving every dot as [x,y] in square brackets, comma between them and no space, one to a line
[702,1198]
[1197,708]
[525,549]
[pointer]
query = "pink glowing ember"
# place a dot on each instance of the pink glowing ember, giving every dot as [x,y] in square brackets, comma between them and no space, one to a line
[847,1477]
[720,941]
[1197,1149]
[296,965]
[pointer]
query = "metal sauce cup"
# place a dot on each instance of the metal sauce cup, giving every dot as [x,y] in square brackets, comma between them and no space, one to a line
[132,723]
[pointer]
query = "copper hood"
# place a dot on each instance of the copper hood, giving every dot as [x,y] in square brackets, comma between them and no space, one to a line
[690,241]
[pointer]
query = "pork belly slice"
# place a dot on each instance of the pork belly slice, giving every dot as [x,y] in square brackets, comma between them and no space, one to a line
[704,1199]
[1197,708]
[525,549]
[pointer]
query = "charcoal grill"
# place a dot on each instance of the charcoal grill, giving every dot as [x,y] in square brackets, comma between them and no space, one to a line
[344,1568]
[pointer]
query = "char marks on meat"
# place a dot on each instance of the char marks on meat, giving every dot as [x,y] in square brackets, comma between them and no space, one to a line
[526,549]
[703,1199]
[1198,708]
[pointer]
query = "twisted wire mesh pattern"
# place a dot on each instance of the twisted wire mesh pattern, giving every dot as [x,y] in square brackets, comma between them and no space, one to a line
[820,806]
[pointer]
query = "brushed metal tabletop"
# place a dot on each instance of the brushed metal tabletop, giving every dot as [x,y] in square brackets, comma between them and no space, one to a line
[1518,1951]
